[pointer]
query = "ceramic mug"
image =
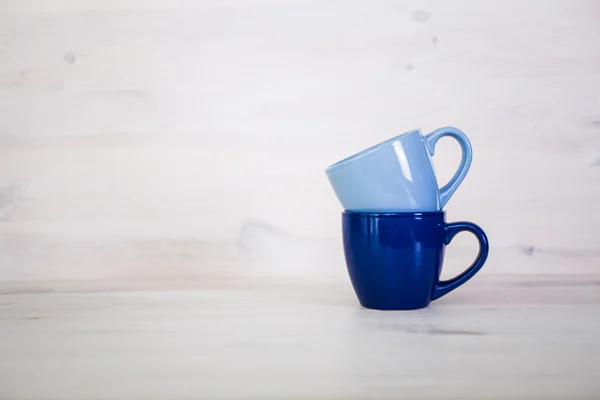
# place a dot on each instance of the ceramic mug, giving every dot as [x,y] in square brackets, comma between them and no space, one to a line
[395,260]
[397,175]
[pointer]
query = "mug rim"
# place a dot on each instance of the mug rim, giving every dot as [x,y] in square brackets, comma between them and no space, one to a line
[399,214]
[368,150]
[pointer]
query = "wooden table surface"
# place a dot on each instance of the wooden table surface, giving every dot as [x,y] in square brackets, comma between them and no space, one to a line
[498,337]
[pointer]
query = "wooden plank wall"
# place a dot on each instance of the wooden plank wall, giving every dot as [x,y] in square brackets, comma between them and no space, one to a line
[172,139]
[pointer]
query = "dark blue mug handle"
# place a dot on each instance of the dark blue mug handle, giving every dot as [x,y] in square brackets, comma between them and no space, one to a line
[465,163]
[450,230]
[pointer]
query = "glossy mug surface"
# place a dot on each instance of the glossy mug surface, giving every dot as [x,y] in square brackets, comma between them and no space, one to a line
[395,260]
[397,175]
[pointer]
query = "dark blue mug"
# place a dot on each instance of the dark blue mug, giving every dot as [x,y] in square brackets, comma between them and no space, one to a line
[395,259]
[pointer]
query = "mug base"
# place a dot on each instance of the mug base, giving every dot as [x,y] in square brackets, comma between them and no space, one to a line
[393,307]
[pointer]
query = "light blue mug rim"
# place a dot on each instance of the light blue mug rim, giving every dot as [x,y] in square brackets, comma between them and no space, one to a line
[368,151]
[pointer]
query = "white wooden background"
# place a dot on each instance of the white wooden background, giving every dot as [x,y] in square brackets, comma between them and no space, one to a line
[172,139]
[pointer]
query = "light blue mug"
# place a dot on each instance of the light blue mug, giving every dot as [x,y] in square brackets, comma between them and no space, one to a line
[397,175]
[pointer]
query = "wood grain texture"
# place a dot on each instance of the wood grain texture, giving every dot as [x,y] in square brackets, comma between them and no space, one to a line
[514,337]
[180,138]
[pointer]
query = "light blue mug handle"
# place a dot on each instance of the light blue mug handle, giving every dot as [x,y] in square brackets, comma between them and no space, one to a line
[465,163]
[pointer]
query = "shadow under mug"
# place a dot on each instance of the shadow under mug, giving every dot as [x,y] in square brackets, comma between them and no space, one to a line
[397,175]
[395,260]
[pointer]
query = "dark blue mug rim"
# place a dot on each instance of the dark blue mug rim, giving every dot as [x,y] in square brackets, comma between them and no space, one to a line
[400,214]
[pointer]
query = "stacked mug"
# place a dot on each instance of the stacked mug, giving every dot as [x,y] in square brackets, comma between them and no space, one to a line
[393,224]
